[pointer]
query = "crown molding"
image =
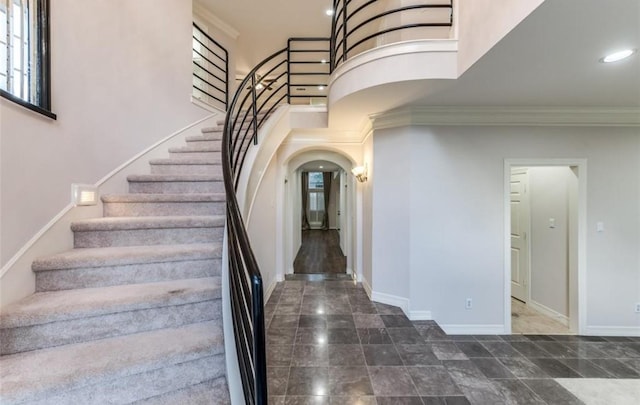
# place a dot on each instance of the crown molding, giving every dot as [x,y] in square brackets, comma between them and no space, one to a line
[201,11]
[508,116]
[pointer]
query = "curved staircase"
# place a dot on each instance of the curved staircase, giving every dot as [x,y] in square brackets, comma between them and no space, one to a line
[133,313]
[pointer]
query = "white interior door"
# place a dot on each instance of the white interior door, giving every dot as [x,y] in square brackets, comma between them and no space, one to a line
[520,218]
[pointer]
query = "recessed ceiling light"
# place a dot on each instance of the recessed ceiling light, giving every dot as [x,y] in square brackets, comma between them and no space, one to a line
[320,167]
[329,11]
[323,61]
[320,88]
[616,56]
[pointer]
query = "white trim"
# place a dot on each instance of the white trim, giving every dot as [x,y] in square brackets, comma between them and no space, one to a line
[420,315]
[545,310]
[204,13]
[391,50]
[612,331]
[389,299]
[198,102]
[581,164]
[474,329]
[511,116]
[100,182]
[34,239]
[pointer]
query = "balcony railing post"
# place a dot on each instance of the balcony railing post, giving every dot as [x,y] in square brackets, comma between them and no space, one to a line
[260,356]
[289,71]
[344,31]
[254,108]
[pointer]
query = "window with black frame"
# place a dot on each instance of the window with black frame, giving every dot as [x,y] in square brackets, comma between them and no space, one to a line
[24,54]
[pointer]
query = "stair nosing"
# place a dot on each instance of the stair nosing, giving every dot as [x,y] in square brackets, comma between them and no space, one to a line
[171,178]
[126,255]
[16,316]
[149,222]
[163,198]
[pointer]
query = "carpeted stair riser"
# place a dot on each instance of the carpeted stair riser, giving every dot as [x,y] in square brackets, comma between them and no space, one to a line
[123,369]
[206,393]
[141,386]
[177,168]
[89,277]
[16,340]
[130,209]
[155,185]
[193,155]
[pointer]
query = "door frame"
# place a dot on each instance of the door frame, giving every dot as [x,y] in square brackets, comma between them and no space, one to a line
[528,230]
[578,272]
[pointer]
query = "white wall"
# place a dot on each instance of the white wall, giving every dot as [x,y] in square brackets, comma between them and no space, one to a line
[391,202]
[121,80]
[549,198]
[456,225]
[365,227]
[262,226]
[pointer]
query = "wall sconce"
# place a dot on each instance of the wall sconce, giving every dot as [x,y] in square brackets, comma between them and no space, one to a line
[360,172]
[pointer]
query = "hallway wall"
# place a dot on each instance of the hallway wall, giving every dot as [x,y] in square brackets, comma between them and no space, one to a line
[549,193]
[456,224]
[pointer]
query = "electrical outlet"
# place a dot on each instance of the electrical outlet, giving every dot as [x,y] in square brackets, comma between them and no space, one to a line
[468,304]
[637,307]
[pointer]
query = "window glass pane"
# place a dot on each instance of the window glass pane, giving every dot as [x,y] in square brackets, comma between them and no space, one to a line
[315,180]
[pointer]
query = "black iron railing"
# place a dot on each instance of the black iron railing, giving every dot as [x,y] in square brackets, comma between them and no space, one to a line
[274,82]
[210,70]
[359,25]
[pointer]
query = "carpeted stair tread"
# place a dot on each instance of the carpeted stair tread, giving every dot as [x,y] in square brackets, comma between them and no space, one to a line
[35,375]
[137,198]
[193,149]
[56,306]
[126,255]
[184,161]
[129,223]
[206,393]
[174,177]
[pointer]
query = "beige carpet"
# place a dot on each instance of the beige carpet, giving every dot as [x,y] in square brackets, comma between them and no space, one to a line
[525,320]
[601,391]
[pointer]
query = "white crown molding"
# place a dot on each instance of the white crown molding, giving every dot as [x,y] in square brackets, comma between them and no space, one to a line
[201,11]
[508,116]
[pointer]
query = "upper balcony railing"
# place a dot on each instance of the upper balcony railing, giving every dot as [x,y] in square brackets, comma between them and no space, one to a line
[360,25]
[210,70]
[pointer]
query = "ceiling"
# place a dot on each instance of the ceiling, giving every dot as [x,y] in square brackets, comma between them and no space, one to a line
[265,26]
[320,166]
[550,59]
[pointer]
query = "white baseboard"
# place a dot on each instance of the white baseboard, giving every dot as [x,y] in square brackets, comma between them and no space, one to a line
[389,299]
[269,291]
[545,310]
[367,287]
[474,329]
[420,315]
[612,331]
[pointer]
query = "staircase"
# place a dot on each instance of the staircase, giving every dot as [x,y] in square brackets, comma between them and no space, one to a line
[133,313]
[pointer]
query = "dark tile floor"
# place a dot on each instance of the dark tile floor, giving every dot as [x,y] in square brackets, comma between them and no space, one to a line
[327,343]
[320,253]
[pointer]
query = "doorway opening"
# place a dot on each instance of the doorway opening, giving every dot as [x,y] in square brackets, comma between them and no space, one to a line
[321,204]
[544,246]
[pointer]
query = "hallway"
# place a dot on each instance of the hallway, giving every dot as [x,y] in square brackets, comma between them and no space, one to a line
[320,253]
[327,343]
